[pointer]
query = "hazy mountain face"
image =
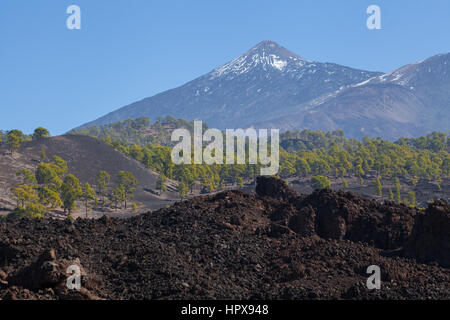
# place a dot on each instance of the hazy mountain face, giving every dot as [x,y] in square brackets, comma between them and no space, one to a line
[266,82]
[410,101]
[271,87]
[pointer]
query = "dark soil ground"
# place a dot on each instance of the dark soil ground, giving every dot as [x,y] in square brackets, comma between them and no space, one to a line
[275,244]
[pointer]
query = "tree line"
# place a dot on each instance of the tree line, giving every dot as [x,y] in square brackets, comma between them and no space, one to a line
[50,186]
[310,153]
[13,139]
[302,154]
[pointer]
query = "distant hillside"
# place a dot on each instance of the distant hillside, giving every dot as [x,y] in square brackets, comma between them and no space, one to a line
[85,157]
[138,131]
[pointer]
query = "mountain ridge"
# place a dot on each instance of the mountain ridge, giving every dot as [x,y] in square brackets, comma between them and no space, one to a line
[407,101]
[248,88]
[271,87]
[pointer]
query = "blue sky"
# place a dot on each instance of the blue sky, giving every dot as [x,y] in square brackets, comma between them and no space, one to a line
[127,50]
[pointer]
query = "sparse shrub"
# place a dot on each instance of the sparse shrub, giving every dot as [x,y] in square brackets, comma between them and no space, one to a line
[182,189]
[43,154]
[406,201]
[398,190]
[32,210]
[161,183]
[27,176]
[320,182]
[344,183]
[240,182]
[412,199]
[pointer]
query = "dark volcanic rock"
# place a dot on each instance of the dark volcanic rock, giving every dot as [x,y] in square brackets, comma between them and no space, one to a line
[303,223]
[233,245]
[430,238]
[274,188]
[337,215]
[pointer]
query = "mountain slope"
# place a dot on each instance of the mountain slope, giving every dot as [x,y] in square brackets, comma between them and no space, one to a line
[267,81]
[410,101]
[85,157]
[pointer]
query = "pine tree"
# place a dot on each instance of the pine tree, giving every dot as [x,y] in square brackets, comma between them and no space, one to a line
[40,133]
[70,192]
[43,154]
[102,181]
[127,181]
[412,199]
[87,195]
[14,139]
[378,187]
[182,189]
[161,183]
[117,195]
[320,182]
[398,190]
[344,182]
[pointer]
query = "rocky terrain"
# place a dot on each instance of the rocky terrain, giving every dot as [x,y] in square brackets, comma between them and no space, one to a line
[275,244]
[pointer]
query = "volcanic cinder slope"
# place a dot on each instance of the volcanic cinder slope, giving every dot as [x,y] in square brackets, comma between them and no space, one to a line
[275,244]
[85,157]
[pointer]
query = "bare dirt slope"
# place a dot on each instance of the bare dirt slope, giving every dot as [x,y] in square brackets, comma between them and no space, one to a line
[85,157]
[275,244]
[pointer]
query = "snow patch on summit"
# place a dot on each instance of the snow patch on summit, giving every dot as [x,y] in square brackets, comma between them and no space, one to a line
[245,63]
[266,56]
[277,63]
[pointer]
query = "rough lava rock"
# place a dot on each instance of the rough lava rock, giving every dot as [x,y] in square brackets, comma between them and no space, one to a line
[430,238]
[275,244]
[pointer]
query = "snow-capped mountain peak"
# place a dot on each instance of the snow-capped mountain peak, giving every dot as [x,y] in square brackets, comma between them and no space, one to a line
[265,82]
[267,55]
[408,74]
